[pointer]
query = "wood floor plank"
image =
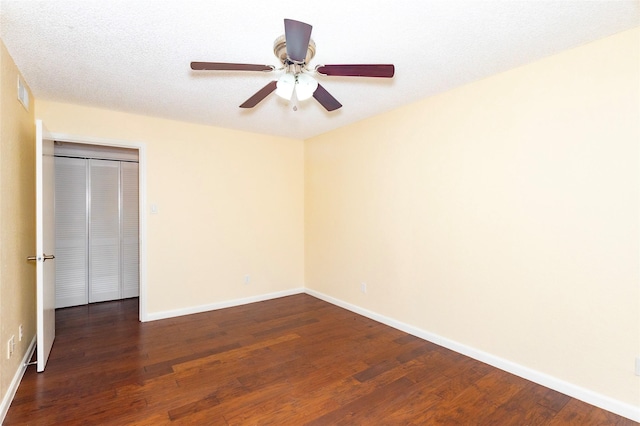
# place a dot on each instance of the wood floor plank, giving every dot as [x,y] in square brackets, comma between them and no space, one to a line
[356,411]
[289,361]
[233,353]
[526,404]
[580,413]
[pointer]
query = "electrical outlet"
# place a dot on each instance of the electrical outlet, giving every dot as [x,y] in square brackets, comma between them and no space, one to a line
[247,279]
[638,366]
[20,333]
[363,288]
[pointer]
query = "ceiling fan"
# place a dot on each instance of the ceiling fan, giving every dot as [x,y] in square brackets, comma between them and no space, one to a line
[295,49]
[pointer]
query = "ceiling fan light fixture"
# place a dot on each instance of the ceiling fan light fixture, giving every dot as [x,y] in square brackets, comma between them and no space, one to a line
[305,86]
[285,86]
[302,84]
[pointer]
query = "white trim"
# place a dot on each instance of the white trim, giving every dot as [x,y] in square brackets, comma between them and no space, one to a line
[222,305]
[99,152]
[602,401]
[17,378]
[142,188]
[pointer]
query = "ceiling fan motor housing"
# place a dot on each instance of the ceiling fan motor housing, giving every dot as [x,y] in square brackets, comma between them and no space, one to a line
[280,50]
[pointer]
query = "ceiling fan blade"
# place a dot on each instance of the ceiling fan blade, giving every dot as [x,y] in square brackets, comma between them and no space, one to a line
[259,95]
[297,35]
[326,100]
[226,66]
[358,70]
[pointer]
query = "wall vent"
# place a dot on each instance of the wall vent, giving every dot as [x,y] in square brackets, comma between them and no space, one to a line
[23,94]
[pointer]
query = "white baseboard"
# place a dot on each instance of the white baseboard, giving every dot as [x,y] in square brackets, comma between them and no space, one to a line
[17,378]
[602,401]
[221,305]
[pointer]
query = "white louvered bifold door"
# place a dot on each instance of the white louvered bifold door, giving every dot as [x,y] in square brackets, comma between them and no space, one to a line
[104,231]
[71,231]
[130,257]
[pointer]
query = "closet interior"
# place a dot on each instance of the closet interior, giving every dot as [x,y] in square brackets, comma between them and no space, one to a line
[96,223]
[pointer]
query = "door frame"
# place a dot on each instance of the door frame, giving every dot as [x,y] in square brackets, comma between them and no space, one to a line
[142,201]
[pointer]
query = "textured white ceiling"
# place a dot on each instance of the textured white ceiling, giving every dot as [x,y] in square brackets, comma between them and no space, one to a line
[134,55]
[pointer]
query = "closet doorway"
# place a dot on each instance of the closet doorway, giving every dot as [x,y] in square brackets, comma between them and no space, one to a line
[97,223]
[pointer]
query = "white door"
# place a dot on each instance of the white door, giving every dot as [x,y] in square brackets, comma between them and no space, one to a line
[104,231]
[97,236]
[71,232]
[130,233]
[45,243]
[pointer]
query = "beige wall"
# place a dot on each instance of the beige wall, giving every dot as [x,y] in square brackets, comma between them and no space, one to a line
[229,204]
[502,215]
[17,221]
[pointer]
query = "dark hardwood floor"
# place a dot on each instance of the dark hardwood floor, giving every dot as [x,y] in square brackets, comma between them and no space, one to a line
[290,361]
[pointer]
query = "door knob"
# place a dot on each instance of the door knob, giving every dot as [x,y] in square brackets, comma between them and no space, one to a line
[44,257]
